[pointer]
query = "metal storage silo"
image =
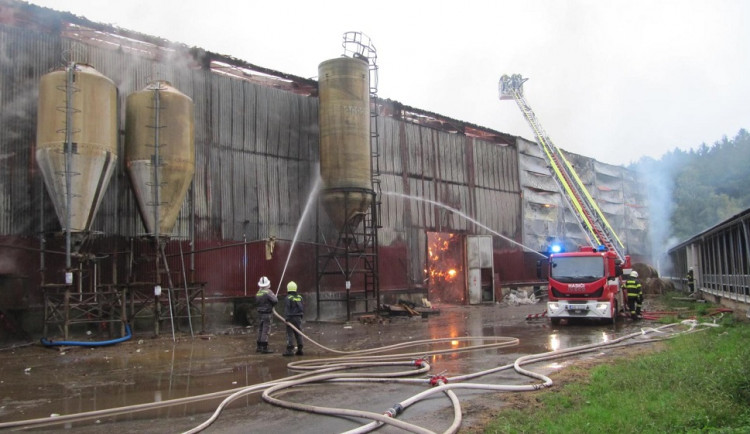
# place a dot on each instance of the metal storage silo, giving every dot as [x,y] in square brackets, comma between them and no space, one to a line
[76,141]
[344,118]
[160,152]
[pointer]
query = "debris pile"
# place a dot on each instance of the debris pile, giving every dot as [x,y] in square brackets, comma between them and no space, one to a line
[518,297]
[409,308]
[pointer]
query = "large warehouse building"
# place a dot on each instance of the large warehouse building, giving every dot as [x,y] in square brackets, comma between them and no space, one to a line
[455,212]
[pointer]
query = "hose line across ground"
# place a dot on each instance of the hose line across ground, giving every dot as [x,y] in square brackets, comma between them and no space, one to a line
[415,370]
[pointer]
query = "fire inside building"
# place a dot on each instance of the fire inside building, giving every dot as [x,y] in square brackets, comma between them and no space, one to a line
[151,183]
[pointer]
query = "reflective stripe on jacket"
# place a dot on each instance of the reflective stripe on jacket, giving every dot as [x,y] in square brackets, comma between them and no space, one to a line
[265,300]
[633,287]
[294,305]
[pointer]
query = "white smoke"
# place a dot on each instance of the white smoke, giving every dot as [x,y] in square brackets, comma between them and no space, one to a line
[658,177]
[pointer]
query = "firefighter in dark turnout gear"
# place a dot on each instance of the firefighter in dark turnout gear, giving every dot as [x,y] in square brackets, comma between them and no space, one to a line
[691,281]
[635,294]
[265,300]
[293,311]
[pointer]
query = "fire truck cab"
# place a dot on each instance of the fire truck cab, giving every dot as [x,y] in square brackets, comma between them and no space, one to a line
[585,284]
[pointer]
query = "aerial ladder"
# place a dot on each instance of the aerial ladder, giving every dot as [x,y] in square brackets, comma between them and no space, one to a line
[596,227]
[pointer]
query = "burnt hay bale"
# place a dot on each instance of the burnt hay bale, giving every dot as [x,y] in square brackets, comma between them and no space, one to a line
[657,286]
[645,271]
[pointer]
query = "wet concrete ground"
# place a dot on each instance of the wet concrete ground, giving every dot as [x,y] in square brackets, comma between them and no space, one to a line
[36,381]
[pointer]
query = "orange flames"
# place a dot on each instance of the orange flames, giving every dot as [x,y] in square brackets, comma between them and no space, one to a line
[442,268]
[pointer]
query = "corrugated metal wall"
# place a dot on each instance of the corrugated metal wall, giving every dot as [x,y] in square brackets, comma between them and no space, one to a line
[444,175]
[256,160]
[256,152]
[22,63]
[255,146]
[546,215]
[616,190]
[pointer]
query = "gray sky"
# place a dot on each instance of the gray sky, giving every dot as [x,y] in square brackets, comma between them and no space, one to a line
[613,80]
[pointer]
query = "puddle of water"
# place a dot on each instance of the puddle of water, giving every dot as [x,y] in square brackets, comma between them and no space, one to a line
[37,382]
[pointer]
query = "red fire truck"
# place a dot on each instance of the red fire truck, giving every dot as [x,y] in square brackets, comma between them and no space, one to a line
[586,283]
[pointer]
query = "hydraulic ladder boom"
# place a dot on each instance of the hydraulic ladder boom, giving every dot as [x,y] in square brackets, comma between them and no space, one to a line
[584,206]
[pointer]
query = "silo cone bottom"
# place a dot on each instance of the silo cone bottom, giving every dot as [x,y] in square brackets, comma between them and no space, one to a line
[346,207]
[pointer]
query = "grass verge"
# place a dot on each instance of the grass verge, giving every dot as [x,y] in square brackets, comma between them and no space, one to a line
[700,382]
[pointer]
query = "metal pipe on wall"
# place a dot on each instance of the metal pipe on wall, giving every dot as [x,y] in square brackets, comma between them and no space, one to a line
[68,162]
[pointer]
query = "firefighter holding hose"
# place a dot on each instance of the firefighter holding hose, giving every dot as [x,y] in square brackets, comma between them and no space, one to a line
[265,300]
[294,308]
[635,294]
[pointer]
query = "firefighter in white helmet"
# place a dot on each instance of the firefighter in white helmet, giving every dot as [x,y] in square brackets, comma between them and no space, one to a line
[635,294]
[265,300]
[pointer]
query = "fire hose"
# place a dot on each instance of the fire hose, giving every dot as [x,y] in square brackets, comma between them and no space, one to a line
[329,371]
[442,383]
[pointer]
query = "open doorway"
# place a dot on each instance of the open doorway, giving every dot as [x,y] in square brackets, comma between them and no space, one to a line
[446,278]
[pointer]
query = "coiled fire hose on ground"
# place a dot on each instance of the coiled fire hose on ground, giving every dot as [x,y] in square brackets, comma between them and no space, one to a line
[329,370]
[441,384]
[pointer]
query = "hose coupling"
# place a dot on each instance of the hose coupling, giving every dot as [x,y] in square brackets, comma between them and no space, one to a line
[436,380]
[395,410]
[420,363]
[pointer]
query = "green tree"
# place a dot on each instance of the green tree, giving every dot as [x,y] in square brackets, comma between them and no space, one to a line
[707,185]
[697,205]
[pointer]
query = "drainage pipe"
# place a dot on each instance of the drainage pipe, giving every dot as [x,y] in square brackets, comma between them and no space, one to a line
[49,343]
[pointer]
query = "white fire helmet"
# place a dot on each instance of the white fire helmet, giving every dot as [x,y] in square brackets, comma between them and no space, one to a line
[264,282]
[634,274]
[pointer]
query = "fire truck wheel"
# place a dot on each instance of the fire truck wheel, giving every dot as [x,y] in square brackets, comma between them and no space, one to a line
[555,321]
